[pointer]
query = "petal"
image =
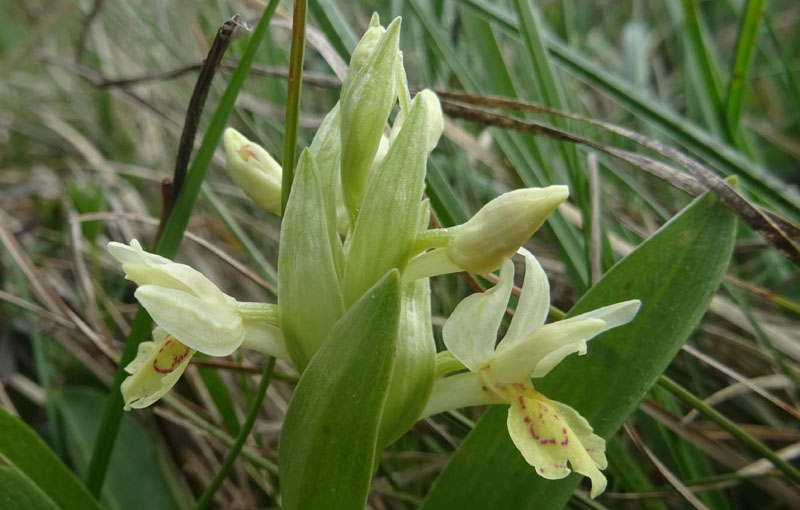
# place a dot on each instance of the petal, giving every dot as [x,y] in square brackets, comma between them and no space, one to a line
[614,315]
[534,302]
[134,254]
[471,331]
[594,444]
[461,390]
[213,329]
[538,353]
[543,434]
[156,369]
[196,281]
[145,268]
[264,338]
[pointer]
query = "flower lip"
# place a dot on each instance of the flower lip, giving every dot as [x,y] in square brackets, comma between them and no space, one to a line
[155,370]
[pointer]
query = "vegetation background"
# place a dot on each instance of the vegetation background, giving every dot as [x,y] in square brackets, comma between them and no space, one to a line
[90,117]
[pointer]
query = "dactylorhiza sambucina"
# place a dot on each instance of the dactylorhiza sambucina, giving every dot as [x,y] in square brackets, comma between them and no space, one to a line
[355,212]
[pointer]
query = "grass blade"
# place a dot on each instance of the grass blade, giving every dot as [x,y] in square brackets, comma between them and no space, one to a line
[751,18]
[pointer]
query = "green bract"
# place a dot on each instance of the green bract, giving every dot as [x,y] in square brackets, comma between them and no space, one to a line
[385,231]
[309,292]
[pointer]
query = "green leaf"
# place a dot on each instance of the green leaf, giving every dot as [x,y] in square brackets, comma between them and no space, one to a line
[327,449]
[135,469]
[309,294]
[18,492]
[674,273]
[27,459]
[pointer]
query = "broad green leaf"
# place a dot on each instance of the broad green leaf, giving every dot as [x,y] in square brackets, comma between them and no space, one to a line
[136,470]
[674,273]
[18,492]
[22,448]
[328,440]
[309,294]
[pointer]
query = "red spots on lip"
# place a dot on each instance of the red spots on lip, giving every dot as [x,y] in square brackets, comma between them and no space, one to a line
[548,441]
[169,356]
[527,419]
[541,470]
[521,401]
[532,430]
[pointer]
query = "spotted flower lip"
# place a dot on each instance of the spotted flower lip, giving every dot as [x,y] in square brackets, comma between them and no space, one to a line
[155,370]
[550,435]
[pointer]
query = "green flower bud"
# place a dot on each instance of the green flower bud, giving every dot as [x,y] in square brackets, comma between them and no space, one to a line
[364,49]
[503,225]
[253,170]
[365,106]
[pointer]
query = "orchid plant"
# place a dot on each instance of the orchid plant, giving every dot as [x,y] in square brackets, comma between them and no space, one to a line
[356,212]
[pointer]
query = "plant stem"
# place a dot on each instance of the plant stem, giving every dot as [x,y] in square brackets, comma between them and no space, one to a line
[227,464]
[293,98]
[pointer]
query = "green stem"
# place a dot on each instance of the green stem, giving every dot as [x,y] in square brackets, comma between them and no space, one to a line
[735,430]
[168,247]
[266,312]
[227,464]
[293,98]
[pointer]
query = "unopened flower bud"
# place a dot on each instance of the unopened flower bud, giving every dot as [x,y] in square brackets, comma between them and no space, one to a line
[366,101]
[253,169]
[435,118]
[364,49]
[502,226]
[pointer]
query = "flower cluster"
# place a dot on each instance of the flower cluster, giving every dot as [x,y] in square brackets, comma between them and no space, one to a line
[355,212]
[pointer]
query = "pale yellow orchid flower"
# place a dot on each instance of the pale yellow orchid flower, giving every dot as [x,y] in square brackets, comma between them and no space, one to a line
[552,437]
[193,315]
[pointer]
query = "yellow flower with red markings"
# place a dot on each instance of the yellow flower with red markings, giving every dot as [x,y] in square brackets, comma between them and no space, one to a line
[193,315]
[552,437]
